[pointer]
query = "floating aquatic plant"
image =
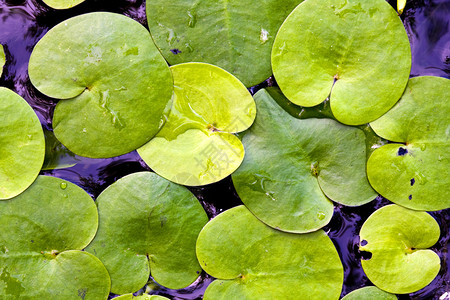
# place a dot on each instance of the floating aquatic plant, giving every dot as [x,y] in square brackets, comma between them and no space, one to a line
[57,156]
[43,231]
[234,35]
[62,4]
[369,293]
[398,239]
[22,146]
[253,261]
[196,146]
[293,167]
[148,224]
[141,297]
[357,50]
[413,174]
[2,59]
[113,82]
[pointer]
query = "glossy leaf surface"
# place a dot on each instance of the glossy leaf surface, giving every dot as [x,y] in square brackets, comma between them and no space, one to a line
[148,224]
[398,239]
[2,59]
[22,145]
[105,111]
[62,4]
[357,50]
[369,293]
[413,174]
[43,231]
[253,261]
[293,166]
[196,146]
[236,35]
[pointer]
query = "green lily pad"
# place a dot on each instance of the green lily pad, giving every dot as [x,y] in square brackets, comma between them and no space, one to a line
[22,146]
[148,224]
[398,239]
[369,293]
[356,50]
[253,261]
[95,60]
[57,156]
[141,297]
[2,59]
[62,4]
[43,231]
[413,174]
[235,35]
[293,166]
[196,146]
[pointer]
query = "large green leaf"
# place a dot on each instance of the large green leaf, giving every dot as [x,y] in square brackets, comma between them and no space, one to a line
[369,293]
[114,82]
[356,49]
[62,4]
[2,59]
[293,166]
[413,174]
[22,145]
[196,146]
[398,239]
[43,231]
[253,261]
[148,224]
[236,35]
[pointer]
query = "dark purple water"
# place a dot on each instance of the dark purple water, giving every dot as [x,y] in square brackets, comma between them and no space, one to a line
[24,22]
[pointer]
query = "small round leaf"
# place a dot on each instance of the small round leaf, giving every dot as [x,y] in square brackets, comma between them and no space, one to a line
[148,224]
[96,59]
[293,166]
[62,4]
[253,261]
[357,50]
[43,231]
[196,146]
[369,293]
[398,239]
[22,144]
[236,35]
[413,174]
[2,59]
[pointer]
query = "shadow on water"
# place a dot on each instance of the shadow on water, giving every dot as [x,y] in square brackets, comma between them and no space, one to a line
[24,22]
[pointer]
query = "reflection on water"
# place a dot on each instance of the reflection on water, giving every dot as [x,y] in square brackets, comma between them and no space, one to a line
[24,22]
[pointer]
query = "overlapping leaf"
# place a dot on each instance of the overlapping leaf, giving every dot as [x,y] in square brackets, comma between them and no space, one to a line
[43,231]
[369,293]
[253,261]
[236,35]
[196,146]
[22,146]
[413,174]
[357,50]
[114,83]
[398,239]
[62,4]
[293,166]
[148,224]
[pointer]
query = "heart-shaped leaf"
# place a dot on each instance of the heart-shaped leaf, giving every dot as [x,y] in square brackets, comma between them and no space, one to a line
[196,146]
[398,239]
[96,60]
[413,174]
[22,146]
[253,261]
[369,293]
[43,231]
[148,224]
[62,4]
[357,50]
[293,166]
[235,35]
